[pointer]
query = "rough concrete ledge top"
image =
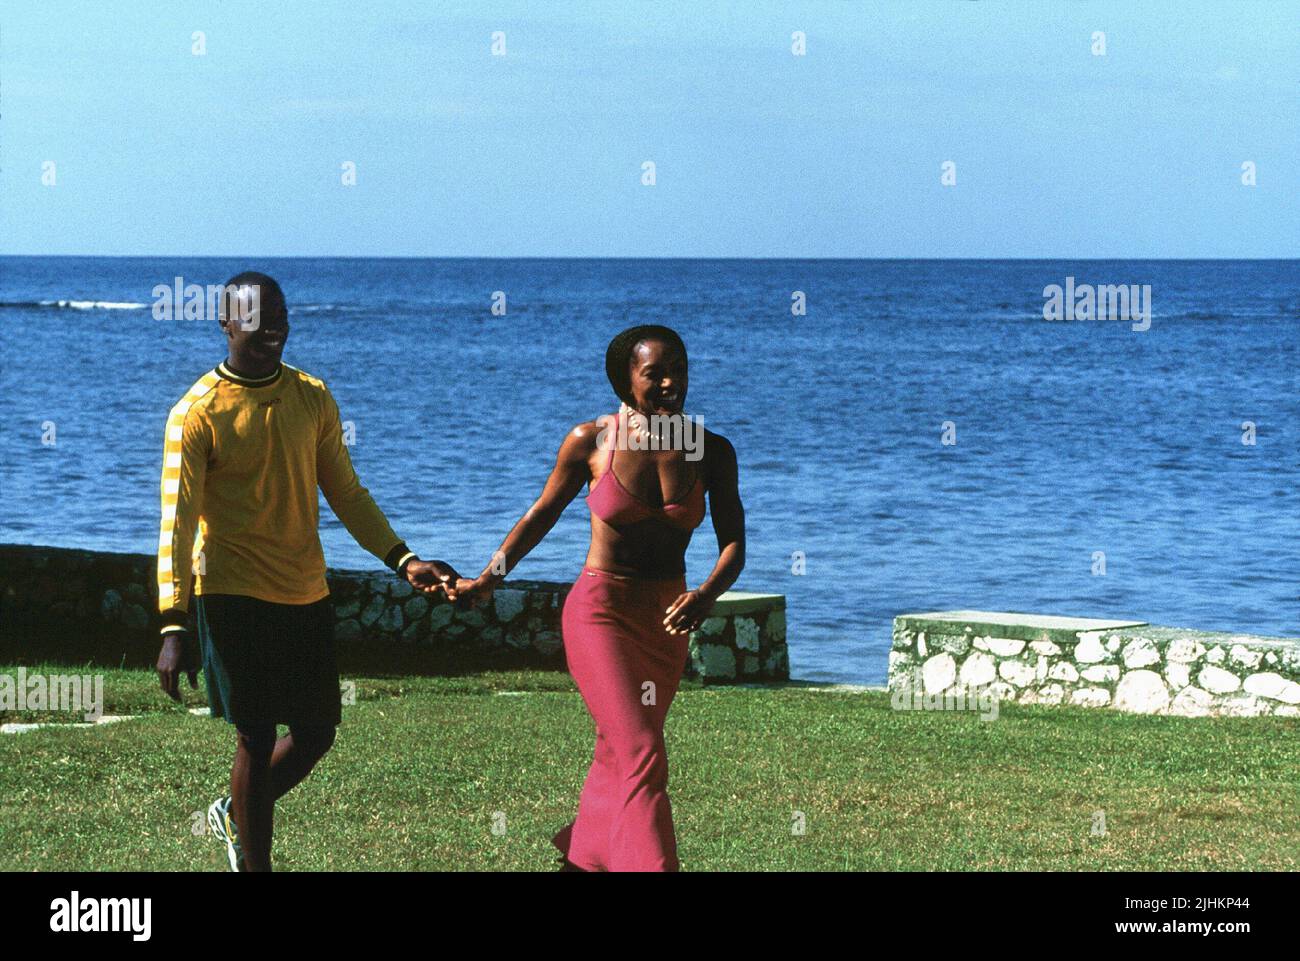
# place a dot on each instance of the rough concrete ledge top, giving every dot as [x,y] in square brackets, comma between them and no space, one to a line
[742,602]
[1027,627]
[1216,638]
[731,602]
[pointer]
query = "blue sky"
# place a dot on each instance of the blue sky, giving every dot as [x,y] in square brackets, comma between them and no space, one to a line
[758,153]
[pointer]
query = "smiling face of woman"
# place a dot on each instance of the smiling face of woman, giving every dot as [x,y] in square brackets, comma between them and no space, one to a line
[657,373]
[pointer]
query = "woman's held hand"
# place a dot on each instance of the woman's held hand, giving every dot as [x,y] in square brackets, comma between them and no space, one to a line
[471,593]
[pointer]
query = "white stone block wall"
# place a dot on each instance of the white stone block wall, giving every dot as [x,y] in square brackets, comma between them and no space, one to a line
[1127,666]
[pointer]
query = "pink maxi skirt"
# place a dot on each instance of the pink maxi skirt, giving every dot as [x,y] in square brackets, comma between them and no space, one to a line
[627,668]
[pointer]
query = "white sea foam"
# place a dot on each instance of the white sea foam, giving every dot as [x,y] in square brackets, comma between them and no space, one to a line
[93,304]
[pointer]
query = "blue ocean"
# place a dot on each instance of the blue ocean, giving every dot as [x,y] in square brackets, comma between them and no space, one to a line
[920,438]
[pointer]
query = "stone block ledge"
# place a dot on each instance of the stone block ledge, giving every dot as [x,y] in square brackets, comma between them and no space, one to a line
[102,605]
[743,639]
[1125,665]
[1026,627]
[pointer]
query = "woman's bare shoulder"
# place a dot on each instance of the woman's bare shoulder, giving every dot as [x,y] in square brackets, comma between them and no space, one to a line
[717,457]
[584,439]
[717,447]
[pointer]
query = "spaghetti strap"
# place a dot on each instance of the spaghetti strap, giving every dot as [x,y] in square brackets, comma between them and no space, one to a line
[609,461]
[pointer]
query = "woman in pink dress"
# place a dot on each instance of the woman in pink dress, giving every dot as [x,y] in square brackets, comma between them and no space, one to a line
[628,617]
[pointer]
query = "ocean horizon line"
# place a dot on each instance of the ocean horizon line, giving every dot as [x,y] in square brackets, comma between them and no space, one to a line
[577,258]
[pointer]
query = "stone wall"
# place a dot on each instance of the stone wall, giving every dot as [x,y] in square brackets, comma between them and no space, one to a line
[102,605]
[1126,665]
[743,640]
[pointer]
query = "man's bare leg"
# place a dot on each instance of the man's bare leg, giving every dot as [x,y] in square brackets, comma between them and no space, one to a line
[252,797]
[295,755]
[265,769]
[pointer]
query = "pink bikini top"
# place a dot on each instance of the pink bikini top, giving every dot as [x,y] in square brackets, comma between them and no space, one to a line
[617,506]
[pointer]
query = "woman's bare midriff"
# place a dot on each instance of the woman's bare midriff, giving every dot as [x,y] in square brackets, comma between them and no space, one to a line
[649,549]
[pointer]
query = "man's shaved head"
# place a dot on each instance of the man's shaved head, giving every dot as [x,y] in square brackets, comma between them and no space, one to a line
[255,320]
[253,299]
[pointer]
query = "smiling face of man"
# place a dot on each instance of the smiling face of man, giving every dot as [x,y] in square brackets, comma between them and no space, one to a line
[255,319]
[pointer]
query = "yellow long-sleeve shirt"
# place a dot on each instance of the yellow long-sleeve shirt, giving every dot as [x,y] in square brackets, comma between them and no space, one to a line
[242,461]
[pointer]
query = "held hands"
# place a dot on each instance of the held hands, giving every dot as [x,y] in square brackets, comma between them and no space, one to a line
[439,577]
[471,593]
[433,577]
[688,612]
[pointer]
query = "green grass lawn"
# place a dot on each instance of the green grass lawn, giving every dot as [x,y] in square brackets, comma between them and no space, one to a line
[423,766]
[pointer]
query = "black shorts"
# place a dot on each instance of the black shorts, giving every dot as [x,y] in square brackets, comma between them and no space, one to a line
[267,664]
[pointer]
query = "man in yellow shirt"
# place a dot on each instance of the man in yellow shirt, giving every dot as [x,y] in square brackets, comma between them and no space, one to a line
[245,450]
